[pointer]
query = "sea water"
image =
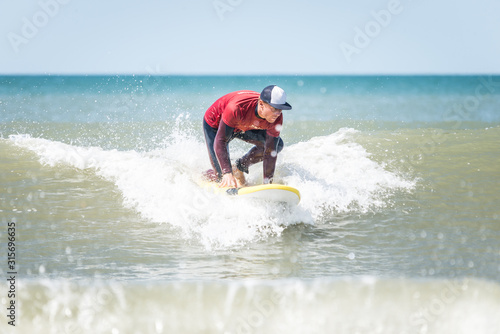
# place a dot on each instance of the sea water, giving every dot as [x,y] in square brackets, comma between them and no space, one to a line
[397,231]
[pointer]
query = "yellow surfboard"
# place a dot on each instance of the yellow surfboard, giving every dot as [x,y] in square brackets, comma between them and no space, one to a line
[267,192]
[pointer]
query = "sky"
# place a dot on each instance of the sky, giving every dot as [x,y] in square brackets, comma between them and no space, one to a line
[253,37]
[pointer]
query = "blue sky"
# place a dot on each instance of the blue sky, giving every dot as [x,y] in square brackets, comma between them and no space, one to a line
[250,37]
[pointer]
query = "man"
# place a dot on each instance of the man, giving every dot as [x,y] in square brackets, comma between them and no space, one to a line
[253,118]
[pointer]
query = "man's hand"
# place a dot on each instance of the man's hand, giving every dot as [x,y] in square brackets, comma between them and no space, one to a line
[228,180]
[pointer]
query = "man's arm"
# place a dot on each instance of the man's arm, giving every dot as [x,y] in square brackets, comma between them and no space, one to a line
[221,142]
[224,134]
[270,157]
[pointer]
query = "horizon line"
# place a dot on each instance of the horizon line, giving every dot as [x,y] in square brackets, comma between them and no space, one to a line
[145,74]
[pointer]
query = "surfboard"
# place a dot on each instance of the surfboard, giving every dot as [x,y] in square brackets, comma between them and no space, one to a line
[266,192]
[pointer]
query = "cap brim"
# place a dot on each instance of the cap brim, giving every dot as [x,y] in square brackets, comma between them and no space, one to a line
[285,106]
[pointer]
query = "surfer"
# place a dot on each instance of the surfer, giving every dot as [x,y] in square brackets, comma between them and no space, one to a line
[249,116]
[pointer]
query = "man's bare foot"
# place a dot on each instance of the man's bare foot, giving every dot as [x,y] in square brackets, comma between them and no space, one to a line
[239,176]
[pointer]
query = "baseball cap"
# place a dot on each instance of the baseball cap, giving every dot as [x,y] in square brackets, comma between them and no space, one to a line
[276,97]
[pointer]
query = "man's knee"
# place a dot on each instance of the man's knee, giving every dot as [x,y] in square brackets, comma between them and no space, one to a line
[280,144]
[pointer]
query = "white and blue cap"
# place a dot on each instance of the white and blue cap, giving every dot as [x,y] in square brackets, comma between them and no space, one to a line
[275,97]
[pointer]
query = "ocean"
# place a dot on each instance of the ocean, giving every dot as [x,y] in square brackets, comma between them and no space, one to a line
[105,228]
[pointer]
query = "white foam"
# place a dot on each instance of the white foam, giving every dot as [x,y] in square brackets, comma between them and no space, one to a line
[335,173]
[331,172]
[161,186]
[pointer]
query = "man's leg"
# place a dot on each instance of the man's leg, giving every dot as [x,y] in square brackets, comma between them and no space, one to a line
[256,153]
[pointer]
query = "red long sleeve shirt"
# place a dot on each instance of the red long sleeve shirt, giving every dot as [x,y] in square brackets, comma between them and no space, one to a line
[237,110]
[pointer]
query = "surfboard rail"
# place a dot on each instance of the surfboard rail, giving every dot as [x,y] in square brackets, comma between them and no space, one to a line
[269,192]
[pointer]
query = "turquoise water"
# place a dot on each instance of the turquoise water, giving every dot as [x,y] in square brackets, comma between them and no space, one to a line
[398,229]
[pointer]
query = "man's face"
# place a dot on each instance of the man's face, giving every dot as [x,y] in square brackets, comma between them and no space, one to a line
[269,113]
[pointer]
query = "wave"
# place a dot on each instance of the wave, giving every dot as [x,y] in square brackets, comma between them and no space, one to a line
[334,174]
